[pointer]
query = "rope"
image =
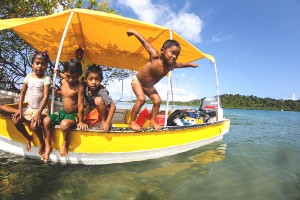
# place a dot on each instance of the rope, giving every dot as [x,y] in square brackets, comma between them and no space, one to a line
[121,94]
[131,79]
[178,86]
[172,93]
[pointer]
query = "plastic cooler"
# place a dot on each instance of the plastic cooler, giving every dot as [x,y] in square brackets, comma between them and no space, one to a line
[160,119]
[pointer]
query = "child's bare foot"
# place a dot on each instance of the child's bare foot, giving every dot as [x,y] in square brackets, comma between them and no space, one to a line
[155,125]
[64,150]
[134,126]
[28,144]
[42,148]
[46,154]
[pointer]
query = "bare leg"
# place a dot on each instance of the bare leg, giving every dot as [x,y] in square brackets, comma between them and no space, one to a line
[28,144]
[7,110]
[21,128]
[64,149]
[39,133]
[47,129]
[155,109]
[141,99]
[66,125]
[101,109]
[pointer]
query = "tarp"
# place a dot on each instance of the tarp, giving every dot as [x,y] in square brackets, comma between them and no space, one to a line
[102,36]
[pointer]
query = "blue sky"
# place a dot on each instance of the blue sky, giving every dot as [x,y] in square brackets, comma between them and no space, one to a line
[256,45]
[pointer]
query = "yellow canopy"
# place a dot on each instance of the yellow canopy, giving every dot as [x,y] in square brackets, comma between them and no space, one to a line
[102,36]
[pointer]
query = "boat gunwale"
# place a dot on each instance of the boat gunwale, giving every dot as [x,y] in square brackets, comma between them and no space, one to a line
[143,130]
[148,130]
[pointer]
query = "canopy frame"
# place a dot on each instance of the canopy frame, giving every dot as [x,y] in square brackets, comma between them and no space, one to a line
[57,60]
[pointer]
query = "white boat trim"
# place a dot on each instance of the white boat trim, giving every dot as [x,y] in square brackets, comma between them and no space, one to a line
[104,158]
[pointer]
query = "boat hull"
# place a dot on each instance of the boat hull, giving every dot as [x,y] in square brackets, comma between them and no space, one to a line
[121,145]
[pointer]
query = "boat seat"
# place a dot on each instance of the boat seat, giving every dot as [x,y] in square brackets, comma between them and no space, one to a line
[121,116]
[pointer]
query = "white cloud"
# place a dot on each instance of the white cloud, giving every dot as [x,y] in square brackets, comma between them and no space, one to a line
[220,37]
[143,9]
[294,97]
[117,91]
[186,24]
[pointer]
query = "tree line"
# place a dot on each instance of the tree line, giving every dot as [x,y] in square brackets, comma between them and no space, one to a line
[257,103]
[251,102]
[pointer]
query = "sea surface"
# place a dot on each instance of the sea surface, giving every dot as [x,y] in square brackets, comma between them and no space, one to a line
[259,159]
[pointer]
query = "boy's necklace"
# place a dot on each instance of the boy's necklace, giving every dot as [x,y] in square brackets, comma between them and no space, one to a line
[90,93]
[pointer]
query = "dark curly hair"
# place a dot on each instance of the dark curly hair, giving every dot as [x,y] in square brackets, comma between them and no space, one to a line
[73,66]
[170,43]
[94,69]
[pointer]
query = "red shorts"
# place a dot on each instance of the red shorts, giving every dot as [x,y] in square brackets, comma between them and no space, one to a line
[92,118]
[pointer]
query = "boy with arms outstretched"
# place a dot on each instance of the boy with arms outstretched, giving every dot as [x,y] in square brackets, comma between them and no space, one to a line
[97,96]
[72,94]
[158,65]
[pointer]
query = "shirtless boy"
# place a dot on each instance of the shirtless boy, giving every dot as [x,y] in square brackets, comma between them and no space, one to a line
[72,94]
[158,65]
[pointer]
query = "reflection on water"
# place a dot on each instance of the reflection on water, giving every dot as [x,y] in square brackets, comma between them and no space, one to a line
[26,178]
[262,162]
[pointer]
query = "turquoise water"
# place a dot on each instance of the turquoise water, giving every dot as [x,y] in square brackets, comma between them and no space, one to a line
[258,159]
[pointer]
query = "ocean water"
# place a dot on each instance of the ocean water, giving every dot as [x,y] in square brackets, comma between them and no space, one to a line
[258,159]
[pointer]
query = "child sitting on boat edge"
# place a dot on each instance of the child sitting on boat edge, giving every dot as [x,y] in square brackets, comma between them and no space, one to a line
[72,92]
[37,86]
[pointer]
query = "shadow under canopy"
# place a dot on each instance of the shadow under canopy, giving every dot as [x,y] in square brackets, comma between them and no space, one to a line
[102,36]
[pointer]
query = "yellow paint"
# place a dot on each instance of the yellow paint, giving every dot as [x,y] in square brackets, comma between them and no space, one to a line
[96,41]
[97,142]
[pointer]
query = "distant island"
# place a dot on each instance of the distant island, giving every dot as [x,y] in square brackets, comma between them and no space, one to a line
[235,101]
[251,102]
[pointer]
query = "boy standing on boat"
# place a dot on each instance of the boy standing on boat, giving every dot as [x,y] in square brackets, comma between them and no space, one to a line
[79,53]
[72,94]
[97,96]
[158,65]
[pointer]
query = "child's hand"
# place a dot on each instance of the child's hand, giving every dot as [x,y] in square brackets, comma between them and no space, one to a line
[195,65]
[82,126]
[36,120]
[17,115]
[104,127]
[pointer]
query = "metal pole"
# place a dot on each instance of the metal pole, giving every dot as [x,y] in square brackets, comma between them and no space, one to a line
[169,86]
[219,109]
[57,60]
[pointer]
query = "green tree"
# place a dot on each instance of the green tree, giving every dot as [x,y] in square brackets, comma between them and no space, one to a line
[15,52]
[253,102]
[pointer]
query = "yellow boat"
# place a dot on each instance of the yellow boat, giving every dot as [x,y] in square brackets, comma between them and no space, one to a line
[119,145]
[103,36]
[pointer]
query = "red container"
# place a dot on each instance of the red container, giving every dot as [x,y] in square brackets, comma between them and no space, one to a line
[160,119]
[143,116]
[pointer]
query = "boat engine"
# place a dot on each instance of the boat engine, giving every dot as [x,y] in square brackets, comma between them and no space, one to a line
[209,109]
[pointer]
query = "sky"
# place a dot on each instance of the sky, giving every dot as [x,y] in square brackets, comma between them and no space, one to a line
[256,45]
